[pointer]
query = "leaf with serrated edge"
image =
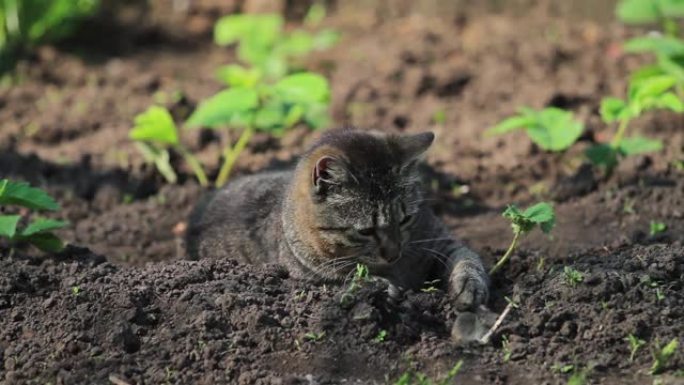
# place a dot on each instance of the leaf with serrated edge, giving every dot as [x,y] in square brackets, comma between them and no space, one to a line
[22,194]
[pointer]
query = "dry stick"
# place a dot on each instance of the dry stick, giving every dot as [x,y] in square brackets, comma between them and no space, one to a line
[488,335]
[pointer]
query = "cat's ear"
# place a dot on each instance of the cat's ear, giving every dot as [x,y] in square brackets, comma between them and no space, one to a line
[413,146]
[327,171]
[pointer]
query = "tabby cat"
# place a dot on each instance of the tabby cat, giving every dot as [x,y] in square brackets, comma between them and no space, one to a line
[354,197]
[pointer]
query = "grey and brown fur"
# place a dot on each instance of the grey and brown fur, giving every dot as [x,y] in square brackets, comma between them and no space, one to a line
[354,197]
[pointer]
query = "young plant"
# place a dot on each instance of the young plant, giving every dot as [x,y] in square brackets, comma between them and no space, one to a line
[669,55]
[314,336]
[506,347]
[643,95]
[265,46]
[522,222]
[662,355]
[572,276]
[382,334]
[656,228]
[39,232]
[155,133]
[417,378]
[25,23]
[635,343]
[552,129]
[663,12]
[360,276]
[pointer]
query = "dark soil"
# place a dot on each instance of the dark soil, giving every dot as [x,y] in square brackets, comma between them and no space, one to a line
[101,313]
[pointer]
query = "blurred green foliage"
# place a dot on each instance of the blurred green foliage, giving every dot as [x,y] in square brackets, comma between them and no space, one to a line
[25,23]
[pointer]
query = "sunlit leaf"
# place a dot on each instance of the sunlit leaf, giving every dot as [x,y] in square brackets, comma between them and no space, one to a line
[665,45]
[224,108]
[512,123]
[156,125]
[612,109]
[303,87]
[555,129]
[638,11]
[639,145]
[236,75]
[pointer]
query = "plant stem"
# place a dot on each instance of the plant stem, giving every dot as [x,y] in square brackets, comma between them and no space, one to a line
[507,255]
[231,154]
[620,133]
[195,165]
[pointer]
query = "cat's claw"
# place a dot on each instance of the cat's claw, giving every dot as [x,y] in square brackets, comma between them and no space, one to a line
[468,286]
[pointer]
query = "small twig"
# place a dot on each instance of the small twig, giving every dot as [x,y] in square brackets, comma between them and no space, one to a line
[117,381]
[488,335]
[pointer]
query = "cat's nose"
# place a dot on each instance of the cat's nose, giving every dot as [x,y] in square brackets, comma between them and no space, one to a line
[390,251]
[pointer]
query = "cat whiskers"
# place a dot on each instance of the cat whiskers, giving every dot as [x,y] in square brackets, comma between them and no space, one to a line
[329,269]
[439,256]
[431,240]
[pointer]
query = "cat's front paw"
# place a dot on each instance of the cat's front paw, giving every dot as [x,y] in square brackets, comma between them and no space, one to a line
[468,285]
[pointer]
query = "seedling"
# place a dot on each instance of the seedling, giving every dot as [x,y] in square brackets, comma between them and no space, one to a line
[669,54]
[26,23]
[657,227]
[578,377]
[430,286]
[643,95]
[506,347]
[522,222]
[417,378]
[562,368]
[155,133]
[635,343]
[651,11]
[572,276]
[75,291]
[382,334]
[662,355]
[360,276]
[314,336]
[552,129]
[39,232]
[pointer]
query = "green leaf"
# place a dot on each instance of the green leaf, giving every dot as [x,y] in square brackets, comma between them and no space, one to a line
[254,30]
[638,11]
[304,87]
[325,39]
[225,108]
[672,8]
[47,242]
[650,87]
[236,75]
[646,72]
[602,155]
[155,125]
[665,45]
[269,117]
[669,101]
[316,115]
[8,225]
[612,109]
[315,15]
[542,213]
[21,194]
[510,124]
[294,115]
[298,43]
[639,145]
[42,225]
[555,129]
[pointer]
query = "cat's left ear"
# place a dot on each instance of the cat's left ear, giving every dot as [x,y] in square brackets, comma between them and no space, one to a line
[413,146]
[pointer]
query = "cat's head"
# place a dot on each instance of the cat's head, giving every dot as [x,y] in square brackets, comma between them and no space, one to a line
[360,193]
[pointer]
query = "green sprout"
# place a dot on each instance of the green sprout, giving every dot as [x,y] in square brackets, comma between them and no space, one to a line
[38,232]
[314,336]
[635,343]
[643,95]
[76,290]
[416,378]
[572,276]
[26,23]
[361,275]
[506,347]
[662,355]
[651,11]
[578,377]
[552,129]
[656,227]
[541,214]
[155,133]
[382,334]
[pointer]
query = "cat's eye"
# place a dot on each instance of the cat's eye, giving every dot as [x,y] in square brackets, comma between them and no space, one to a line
[367,232]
